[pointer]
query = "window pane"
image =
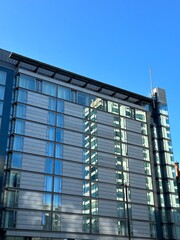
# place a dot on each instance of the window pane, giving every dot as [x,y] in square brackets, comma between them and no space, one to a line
[21,111]
[1,108]
[59,151]
[48,183]
[19,126]
[58,167]
[48,165]
[60,106]
[16,160]
[18,143]
[2,90]
[60,120]
[51,118]
[140,115]
[50,149]
[64,93]
[52,104]
[57,184]
[10,219]
[59,135]
[46,220]
[3,77]
[57,203]
[14,179]
[50,133]
[22,95]
[56,222]
[49,88]
[27,82]
[83,98]
[47,199]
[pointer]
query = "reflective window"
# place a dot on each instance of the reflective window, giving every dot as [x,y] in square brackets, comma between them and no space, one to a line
[121,209]
[50,149]
[46,220]
[120,193]
[86,206]
[48,183]
[59,135]
[57,203]
[96,102]
[21,111]
[147,168]
[86,224]
[58,167]
[150,198]
[94,206]
[2,90]
[16,160]
[56,222]
[49,88]
[95,224]
[22,95]
[57,184]
[94,189]
[51,118]
[3,77]
[18,143]
[153,230]
[1,108]
[27,82]
[14,179]
[163,109]
[145,141]
[86,188]
[64,93]
[113,107]
[148,183]
[59,151]
[83,98]
[140,115]
[10,219]
[144,128]
[116,121]
[12,198]
[121,227]
[50,133]
[19,126]
[60,106]
[49,165]
[52,104]
[47,201]
[60,120]
[94,173]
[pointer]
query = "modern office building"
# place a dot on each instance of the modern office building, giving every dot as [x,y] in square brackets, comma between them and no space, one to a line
[81,159]
[177,177]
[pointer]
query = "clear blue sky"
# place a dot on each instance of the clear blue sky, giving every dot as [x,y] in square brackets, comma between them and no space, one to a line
[114,41]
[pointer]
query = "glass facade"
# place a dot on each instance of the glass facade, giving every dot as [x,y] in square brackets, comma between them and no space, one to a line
[80,164]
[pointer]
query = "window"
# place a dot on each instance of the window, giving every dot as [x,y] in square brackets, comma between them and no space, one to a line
[51,118]
[59,150]
[60,106]
[57,184]
[18,143]
[19,126]
[49,165]
[86,224]
[94,206]
[3,77]
[113,107]
[48,183]
[121,227]
[94,190]
[22,95]
[64,93]
[49,88]
[12,198]
[47,199]
[2,91]
[1,108]
[10,219]
[27,82]
[50,149]
[16,160]
[50,133]
[95,224]
[14,179]
[58,167]
[60,120]
[52,104]
[121,209]
[21,111]
[83,98]
[57,203]
[56,222]
[59,135]
[140,115]
[46,220]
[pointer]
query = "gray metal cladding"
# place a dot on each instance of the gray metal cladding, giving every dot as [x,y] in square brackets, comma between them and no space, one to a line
[36,114]
[35,130]
[73,109]
[105,131]
[137,180]
[107,191]
[105,118]
[73,138]
[37,100]
[136,166]
[106,175]
[140,212]
[73,186]
[27,199]
[32,181]
[72,123]
[135,152]
[29,220]
[34,146]
[72,169]
[105,145]
[106,160]
[72,153]
[108,226]
[107,208]
[139,196]
[134,138]
[133,125]
[141,229]
[71,223]
[71,204]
